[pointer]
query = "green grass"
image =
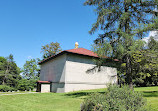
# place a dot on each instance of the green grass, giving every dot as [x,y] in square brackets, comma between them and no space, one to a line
[15,92]
[151,94]
[63,101]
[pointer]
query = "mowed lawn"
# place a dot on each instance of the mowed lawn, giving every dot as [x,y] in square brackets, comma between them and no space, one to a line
[63,101]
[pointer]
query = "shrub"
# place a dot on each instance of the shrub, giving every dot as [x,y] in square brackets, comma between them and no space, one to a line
[115,99]
[25,84]
[5,88]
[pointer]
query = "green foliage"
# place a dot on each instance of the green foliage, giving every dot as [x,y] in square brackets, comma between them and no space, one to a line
[9,72]
[145,68]
[153,44]
[31,70]
[144,65]
[50,49]
[3,61]
[115,99]
[30,74]
[25,84]
[10,78]
[5,88]
[123,23]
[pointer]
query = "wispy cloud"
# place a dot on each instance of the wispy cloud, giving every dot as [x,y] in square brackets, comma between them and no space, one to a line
[29,57]
[153,34]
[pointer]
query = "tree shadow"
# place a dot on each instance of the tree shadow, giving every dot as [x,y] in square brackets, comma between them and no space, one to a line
[86,93]
[150,93]
[82,94]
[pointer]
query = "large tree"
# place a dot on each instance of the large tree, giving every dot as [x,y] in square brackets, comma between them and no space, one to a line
[31,70]
[9,72]
[122,22]
[50,49]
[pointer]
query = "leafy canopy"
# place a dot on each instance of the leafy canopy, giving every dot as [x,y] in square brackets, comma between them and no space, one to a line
[50,49]
[31,70]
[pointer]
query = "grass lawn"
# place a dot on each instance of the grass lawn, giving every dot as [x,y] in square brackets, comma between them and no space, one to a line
[63,101]
[151,94]
[15,92]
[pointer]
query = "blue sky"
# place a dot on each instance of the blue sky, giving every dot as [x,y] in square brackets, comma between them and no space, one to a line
[26,25]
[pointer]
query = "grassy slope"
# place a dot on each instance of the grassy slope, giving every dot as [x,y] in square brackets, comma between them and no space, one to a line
[61,102]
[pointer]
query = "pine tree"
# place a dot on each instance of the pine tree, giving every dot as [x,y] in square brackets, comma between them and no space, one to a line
[9,72]
[123,23]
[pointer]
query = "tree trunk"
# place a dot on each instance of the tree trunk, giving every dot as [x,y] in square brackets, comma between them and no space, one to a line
[128,44]
[129,72]
[3,83]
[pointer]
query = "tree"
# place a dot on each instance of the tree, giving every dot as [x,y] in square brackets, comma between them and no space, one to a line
[25,84]
[30,74]
[3,62]
[153,44]
[153,26]
[145,64]
[9,72]
[50,49]
[121,22]
[31,70]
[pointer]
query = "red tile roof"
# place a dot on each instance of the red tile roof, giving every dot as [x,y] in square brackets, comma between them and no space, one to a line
[43,81]
[83,52]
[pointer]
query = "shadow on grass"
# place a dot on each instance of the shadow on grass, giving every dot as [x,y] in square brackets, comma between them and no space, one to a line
[86,93]
[150,93]
[81,94]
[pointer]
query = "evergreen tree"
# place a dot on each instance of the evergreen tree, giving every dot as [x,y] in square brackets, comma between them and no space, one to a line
[9,72]
[3,62]
[122,22]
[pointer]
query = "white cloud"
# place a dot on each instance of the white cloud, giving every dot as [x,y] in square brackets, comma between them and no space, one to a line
[146,39]
[154,34]
[29,57]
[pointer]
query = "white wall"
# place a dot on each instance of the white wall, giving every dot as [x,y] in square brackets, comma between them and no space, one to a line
[77,87]
[68,73]
[54,70]
[45,88]
[77,79]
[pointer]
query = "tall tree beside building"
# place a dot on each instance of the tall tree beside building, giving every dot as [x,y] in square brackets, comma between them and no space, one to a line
[30,75]
[121,22]
[50,49]
[31,70]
